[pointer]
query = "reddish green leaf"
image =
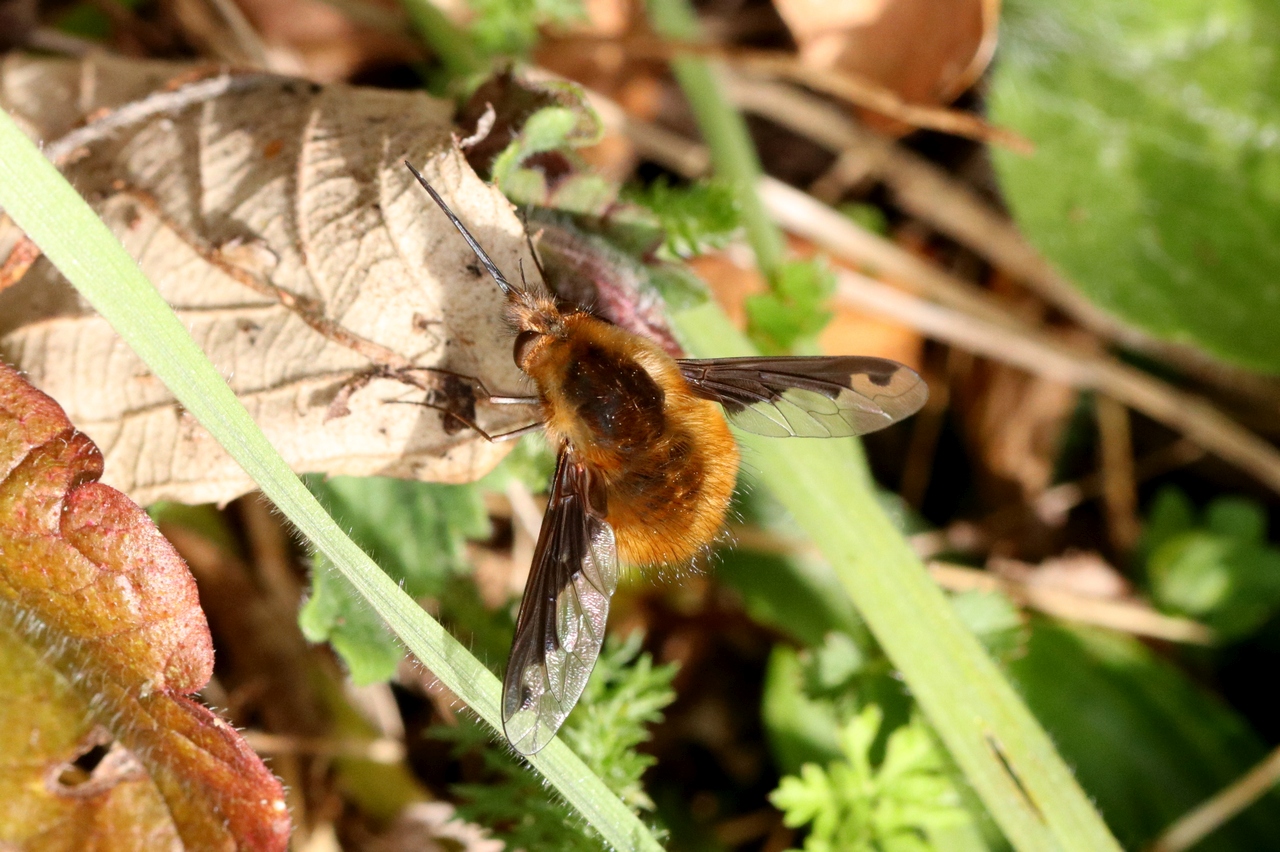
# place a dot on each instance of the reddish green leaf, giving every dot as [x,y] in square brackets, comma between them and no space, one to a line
[101,641]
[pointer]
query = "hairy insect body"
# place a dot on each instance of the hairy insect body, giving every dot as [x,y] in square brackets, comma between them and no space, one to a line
[666,459]
[645,468]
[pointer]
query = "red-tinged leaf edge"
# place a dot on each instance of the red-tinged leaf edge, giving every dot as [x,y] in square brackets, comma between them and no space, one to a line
[86,577]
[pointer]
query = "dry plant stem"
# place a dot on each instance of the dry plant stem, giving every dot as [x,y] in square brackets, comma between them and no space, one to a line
[18,262]
[861,92]
[934,197]
[247,39]
[1053,503]
[970,317]
[1133,617]
[1119,482]
[1124,616]
[852,88]
[380,750]
[1198,823]
[926,192]
[1040,354]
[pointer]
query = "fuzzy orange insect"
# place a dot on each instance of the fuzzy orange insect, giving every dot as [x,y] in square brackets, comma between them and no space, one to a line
[645,469]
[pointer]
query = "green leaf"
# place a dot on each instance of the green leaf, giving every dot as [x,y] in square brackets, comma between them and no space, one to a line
[561,127]
[694,218]
[836,661]
[1155,183]
[1170,514]
[794,310]
[1146,743]
[510,27]
[800,729]
[1221,571]
[854,805]
[416,531]
[335,613]
[1233,586]
[1238,518]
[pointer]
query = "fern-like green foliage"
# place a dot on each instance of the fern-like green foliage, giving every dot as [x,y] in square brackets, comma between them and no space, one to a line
[694,219]
[794,310]
[853,806]
[510,27]
[626,693]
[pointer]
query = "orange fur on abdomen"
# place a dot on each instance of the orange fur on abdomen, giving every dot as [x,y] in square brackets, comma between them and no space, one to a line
[666,457]
[667,509]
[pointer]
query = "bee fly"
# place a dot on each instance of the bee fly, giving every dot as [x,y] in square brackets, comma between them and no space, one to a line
[645,468]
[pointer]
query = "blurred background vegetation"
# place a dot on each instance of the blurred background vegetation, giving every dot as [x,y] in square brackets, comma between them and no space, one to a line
[1072,208]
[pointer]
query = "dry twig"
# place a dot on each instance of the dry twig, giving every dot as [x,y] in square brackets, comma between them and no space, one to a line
[965,315]
[1039,353]
[1126,616]
[939,200]
[1194,825]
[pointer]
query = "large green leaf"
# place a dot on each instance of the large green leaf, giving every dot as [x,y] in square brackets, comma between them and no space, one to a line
[1156,178]
[1146,743]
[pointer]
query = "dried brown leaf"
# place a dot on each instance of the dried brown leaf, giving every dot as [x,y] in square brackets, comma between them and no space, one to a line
[101,641]
[926,51]
[278,220]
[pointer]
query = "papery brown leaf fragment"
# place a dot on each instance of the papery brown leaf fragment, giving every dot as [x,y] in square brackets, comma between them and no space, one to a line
[277,218]
[926,51]
[101,640]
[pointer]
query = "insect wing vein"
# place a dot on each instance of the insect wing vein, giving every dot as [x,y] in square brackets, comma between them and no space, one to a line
[561,624]
[820,397]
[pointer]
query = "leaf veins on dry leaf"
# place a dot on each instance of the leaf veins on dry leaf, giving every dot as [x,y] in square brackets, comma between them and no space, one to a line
[101,641]
[278,220]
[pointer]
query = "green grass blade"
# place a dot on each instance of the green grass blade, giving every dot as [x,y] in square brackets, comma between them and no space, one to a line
[45,206]
[1002,749]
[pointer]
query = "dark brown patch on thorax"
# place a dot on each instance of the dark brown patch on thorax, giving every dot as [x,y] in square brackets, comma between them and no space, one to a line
[614,397]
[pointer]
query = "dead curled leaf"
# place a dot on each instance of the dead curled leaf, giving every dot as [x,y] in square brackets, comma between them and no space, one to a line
[926,51]
[102,639]
[278,220]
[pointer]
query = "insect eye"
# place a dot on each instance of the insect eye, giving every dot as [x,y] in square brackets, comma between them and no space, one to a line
[525,342]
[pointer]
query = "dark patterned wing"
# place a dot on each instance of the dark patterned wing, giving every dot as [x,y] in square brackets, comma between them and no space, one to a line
[822,397]
[561,624]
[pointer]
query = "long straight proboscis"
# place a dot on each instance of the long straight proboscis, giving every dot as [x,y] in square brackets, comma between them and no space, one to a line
[485,260]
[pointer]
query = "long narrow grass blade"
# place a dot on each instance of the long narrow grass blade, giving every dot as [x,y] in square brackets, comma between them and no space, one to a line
[45,206]
[992,735]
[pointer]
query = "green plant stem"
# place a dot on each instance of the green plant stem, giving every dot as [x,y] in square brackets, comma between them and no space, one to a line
[453,45]
[732,152]
[999,745]
[45,206]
